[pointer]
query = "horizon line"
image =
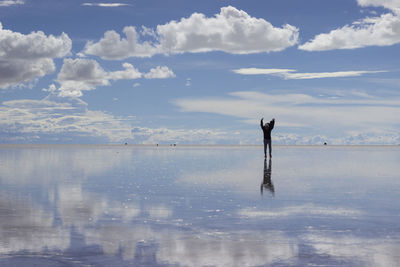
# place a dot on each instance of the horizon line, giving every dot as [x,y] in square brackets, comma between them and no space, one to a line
[192,145]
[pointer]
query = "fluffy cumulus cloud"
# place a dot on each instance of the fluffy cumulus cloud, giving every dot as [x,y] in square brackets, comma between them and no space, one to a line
[112,46]
[333,118]
[379,31]
[232,31]
[77,75]
[371,31]
[292,74]
[389,4]
[129,73]
[24,57]
[160,72]
[82,74]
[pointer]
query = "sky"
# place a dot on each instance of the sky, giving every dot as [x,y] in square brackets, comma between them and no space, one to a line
[199,72]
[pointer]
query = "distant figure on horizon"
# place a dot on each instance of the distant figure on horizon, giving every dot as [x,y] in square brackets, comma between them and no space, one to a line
[267,181]
[267,128]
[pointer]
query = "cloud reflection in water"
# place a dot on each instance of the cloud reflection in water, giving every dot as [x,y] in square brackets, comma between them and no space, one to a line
[150,206]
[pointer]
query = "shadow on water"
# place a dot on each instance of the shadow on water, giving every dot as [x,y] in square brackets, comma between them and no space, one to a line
[267,181]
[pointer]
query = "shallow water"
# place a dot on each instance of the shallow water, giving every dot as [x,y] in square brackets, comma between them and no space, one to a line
[199,206]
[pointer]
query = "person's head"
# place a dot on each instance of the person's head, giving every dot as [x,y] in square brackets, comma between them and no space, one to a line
[267,124]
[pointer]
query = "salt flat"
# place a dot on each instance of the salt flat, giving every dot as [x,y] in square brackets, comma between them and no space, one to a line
[199,205]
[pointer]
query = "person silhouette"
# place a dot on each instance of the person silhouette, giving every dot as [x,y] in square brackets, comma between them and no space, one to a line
[267,128]
[267,181]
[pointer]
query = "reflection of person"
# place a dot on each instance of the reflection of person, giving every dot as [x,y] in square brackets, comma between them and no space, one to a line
[267,181]
[267,128]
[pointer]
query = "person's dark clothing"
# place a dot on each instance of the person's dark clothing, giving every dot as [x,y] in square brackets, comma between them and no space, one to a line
[267,129]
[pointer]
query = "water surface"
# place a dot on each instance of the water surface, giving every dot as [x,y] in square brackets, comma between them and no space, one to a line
[199,206]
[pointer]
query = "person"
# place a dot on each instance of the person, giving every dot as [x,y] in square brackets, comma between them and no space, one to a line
[267,128]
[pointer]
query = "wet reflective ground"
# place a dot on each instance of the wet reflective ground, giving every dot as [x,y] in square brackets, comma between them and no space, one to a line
[199,206]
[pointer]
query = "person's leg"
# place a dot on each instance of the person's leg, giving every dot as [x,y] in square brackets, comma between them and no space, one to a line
[270,148]
[265,148]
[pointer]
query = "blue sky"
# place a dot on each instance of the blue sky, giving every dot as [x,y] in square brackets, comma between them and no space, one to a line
[199,72]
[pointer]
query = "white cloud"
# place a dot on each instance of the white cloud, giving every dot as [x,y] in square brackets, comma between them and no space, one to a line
[11,2]
[232,31]
[24,57]
[105,4]
[81,74]
[378,31]
[160,72]
[17,72]
[64,119]
[148,32]
[374,31]
[361,138]
[34,45]
[390,4]
[292,74]
[257,71]
[335,74]
[129,73]
[58,119]
[334,118]
[145,135]
[112,46]
[52,88]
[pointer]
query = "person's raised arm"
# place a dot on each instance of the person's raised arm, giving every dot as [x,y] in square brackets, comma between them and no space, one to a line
[262,123]
[272,123]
